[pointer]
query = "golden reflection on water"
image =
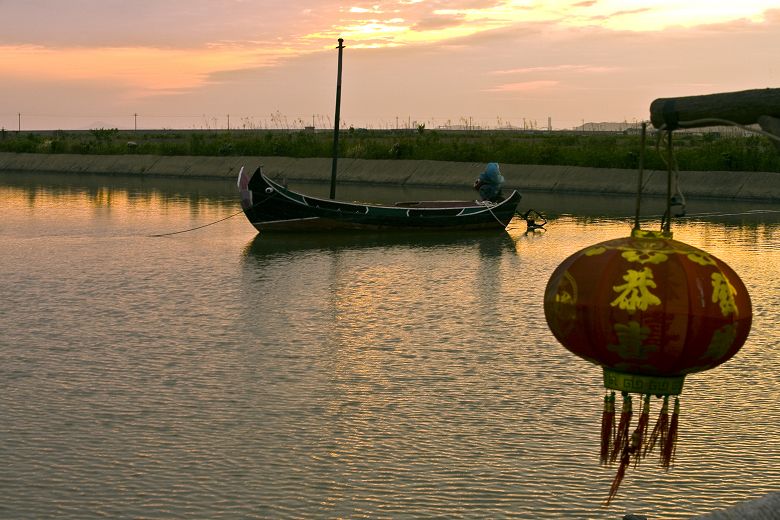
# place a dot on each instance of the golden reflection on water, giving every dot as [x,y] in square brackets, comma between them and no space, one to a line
[347,375]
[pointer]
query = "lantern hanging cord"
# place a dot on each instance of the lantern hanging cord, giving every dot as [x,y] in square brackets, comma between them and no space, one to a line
[675,197]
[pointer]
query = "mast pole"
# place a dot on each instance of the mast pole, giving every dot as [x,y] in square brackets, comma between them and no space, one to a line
[336,125]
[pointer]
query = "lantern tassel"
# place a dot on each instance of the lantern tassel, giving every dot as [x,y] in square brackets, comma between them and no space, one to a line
[660,431]
[641,428]
[607,426]
[633,447]
[621,435]
[669,447]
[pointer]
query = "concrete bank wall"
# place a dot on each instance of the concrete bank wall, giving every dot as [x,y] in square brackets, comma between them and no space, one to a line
[564,179]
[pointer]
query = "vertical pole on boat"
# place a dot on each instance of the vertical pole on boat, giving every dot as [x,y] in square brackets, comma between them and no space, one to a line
[336,125]
[640,181]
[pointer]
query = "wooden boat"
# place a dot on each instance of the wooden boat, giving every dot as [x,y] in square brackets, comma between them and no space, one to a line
[270,206]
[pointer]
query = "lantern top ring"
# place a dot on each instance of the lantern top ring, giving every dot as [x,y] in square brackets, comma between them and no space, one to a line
[641,384]
[644,233]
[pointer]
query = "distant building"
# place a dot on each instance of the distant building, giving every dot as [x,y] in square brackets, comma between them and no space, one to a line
[459,127]
[625,126]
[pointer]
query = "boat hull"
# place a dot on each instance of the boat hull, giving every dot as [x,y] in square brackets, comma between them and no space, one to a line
[269,206]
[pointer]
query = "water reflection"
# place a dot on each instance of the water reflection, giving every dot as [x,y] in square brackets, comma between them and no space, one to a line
[103,190]
[489,243]
[117,190]
[339,375]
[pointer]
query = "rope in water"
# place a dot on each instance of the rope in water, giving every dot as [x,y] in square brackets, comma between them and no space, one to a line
[198,227]
[689,216]
[210,223]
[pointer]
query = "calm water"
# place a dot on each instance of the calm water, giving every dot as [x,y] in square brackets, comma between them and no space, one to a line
[219,374]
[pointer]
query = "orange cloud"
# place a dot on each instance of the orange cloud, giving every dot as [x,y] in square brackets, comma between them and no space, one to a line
[556,68]
[657,15]
[419,22]
[395,23]
[143,69]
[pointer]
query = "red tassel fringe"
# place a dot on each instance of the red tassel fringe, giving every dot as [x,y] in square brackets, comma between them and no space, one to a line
[621,434]
[670,446]
[621,472]
[660,430]
[641,429]
[607,427]
[632,448]
[639,445]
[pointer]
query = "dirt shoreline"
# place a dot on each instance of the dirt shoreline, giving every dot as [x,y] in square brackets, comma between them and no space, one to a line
[561,179]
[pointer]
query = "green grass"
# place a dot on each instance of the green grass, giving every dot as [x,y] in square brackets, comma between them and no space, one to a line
[703,152]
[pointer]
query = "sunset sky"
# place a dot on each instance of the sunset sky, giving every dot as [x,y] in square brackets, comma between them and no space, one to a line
[191,63]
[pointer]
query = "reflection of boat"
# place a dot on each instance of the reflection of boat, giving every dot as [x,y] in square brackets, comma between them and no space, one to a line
[487,242]
[270,206]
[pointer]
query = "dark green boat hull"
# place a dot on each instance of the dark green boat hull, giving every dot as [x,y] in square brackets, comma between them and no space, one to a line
[270,206]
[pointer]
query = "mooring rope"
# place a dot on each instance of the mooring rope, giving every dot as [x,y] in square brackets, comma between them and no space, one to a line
[211,223]
[197,227]
[488,205]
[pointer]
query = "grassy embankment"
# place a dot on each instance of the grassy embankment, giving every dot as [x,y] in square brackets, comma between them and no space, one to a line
[694,152]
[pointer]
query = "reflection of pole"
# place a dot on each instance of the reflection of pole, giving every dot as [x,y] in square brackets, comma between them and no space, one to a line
[336,125]
[641,174]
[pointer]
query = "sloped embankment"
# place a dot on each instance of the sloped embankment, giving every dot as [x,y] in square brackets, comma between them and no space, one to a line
[563,179]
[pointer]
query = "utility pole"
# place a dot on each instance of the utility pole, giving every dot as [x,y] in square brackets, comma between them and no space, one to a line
[336,125]
[135,122]
[19,128]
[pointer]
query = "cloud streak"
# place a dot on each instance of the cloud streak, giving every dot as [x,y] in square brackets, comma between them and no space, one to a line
[557,68]
[524,86]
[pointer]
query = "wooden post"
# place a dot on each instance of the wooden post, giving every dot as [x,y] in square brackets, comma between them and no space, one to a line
[336,125]
[744,107]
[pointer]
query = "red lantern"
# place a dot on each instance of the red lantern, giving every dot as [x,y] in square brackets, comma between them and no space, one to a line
[649,310]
